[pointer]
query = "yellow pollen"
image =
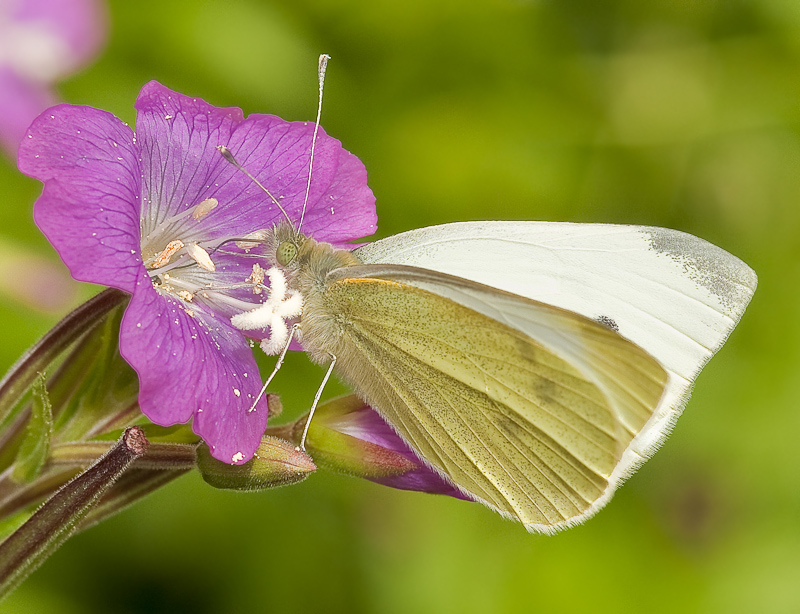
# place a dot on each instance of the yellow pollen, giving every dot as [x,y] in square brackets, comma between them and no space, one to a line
[186,295]
[169,251]
[256,278]
[204,208]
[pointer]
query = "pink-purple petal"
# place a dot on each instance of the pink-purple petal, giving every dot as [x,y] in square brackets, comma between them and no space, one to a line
[89,209]
[178,137]
[194,366]
[182,167]
[346,211]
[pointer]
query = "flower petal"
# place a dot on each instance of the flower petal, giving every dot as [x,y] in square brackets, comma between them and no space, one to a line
[182,167]
[89,209]
[194,366]
[346,211]
[178,136]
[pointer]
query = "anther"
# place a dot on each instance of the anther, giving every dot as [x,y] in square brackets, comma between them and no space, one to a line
[204,208]
[259,237]
[169,251]
[201,257]
[256,279]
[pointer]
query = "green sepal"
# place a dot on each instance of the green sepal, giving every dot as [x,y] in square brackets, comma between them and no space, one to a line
[35,447]
[352,456]
[277,462]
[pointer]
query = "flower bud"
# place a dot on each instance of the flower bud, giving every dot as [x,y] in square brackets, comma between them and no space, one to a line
[277,462]
[348,436]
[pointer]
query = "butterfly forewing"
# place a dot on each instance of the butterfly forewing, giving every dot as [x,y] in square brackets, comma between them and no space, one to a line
[527,407]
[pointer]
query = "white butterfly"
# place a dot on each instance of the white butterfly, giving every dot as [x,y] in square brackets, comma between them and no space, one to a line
[535,365]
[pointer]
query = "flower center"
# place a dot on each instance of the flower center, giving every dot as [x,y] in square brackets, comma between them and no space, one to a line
[182,263]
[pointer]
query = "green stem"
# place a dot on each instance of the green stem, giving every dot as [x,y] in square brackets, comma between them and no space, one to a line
[21,375]
[55,521]
[159,456]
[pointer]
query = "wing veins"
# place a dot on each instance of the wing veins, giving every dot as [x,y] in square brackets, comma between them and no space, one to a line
[550,413]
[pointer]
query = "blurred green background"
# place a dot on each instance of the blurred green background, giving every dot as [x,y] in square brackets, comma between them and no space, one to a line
[673,113]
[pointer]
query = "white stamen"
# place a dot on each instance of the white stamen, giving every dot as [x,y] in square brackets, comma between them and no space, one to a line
[186,295]
[204,208]
[237,457]
[169,251]
[201,257]
[278,329]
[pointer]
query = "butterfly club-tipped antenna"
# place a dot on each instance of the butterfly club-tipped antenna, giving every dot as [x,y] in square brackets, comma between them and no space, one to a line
[321,68]
[228,155]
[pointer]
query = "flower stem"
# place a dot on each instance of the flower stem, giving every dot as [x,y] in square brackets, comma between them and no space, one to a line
[159,456]
[55,521]
[22,374]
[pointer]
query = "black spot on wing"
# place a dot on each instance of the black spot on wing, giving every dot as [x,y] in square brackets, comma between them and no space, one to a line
[608,323]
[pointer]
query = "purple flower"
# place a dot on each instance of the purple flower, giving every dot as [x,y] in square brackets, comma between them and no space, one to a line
[41,41]
[349,436]
[160,214]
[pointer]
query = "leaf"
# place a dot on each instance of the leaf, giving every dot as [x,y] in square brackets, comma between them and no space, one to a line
[35,447]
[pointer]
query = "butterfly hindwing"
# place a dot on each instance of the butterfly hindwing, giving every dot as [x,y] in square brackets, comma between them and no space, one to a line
[531,419]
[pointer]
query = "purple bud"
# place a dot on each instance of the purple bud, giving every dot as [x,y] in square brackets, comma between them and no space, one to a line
[347,435]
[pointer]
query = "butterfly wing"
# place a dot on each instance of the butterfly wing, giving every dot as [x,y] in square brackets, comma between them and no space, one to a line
[526,407]
[676,296]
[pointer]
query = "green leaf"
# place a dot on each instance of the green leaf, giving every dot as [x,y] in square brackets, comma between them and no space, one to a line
[35,447]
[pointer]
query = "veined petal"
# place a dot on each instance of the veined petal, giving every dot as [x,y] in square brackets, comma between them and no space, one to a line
[178,136]
[346,211]
[192,364]
[182,168]
[89,209]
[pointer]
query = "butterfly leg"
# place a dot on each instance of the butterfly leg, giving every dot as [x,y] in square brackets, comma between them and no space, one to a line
[278,365]
[316,401]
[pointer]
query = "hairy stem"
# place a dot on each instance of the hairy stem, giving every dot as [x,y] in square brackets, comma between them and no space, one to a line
[55,521]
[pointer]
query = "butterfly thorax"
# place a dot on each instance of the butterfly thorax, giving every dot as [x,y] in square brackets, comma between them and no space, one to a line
[319,327]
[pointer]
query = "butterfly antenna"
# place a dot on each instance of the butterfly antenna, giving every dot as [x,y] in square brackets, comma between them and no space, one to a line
[226,153]
[323,65]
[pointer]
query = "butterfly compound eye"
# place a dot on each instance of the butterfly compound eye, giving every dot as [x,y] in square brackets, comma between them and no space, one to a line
[286,253]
